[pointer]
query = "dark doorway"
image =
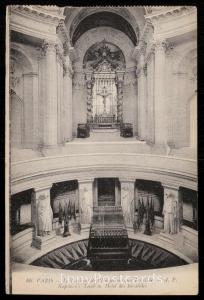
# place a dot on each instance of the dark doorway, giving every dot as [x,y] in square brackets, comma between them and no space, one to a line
[106,191]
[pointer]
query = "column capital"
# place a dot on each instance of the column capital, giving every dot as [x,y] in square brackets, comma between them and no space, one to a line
[42,188]
[127,180]
[48,46]
[142,70]
[171,186]
[85,181]
[162,45]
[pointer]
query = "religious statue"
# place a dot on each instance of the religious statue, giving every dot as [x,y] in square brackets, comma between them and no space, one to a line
[45,216]
[170,212]
[104,94]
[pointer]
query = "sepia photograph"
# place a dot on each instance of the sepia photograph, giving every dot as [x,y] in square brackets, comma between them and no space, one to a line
[101,150]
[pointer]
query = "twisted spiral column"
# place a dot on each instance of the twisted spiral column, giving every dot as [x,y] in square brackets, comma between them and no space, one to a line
[119,83]
[120,102]
[89,85]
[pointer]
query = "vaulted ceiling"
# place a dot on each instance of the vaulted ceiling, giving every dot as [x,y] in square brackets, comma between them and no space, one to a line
[129,20]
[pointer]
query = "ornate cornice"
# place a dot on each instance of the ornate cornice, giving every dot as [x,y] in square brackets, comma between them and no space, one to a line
[46,13]
[158,13]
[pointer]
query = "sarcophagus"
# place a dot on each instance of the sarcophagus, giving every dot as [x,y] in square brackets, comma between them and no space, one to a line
[108,239]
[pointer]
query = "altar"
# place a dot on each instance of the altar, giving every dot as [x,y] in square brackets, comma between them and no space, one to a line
[104,68]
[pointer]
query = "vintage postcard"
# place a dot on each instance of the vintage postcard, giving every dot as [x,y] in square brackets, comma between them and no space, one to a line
[101,142]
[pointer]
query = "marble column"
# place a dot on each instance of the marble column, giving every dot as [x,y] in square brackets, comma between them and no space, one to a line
[120,84]
[41,212]
[51,105]
[159,93]
[86,201]
[172,209]
[142,98]
[30,94]
[67,95]
[150,132]
[89,88]
[60,102]
[127,200]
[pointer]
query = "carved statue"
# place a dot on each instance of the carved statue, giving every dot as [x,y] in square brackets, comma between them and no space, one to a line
[170,212]
[45,216]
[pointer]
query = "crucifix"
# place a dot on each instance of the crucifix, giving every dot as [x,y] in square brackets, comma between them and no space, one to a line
[104,93]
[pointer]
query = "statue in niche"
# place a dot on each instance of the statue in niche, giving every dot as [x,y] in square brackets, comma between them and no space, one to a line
[45,216]
[125,193]
[86,210]
[170,212]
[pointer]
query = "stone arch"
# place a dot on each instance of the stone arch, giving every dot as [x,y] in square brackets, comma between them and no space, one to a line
[81,14]
[96,35]
[19,52]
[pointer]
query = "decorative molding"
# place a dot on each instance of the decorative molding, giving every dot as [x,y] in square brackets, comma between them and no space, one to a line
[48,46]
[104,57]
[168,12]
[38,11]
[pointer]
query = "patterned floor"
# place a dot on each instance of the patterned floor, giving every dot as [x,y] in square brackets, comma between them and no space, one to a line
[144,256]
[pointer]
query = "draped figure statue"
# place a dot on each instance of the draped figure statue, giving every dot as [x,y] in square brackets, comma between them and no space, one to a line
[170,212]
[45,216]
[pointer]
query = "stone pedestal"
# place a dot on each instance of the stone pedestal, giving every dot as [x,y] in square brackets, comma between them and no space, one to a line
[127,200]
[86,201]
[40,242]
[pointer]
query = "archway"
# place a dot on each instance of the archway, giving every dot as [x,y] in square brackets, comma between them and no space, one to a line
[104,66]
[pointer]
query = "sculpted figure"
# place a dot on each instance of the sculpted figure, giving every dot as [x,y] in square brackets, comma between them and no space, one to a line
[45,216]
[170,214]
